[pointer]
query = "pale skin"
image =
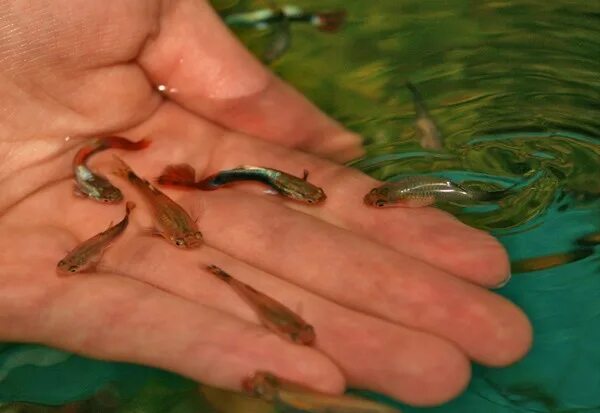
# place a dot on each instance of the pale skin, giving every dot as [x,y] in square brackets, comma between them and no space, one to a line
[399,298]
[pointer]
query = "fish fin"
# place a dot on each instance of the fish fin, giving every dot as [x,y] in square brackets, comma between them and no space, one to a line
[329,21]
[118,142]
[219,272]
[177,175]
[305,175]
[78,192]
[152,232]
[270,191]
[121,169]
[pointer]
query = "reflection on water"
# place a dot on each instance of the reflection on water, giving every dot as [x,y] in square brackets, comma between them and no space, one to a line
[514,88]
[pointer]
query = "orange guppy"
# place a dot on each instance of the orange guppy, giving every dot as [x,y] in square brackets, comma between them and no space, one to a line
[175,224]
[274,315]
[87,254]
[290,395]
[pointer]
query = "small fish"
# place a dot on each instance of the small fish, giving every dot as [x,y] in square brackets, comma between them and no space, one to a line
[549,261]
[279,42]
[87,254]
[284,184]
[420,191]
[175,224]
[95,186]
[431,138]
[288,395]
[274,315]
[327,21]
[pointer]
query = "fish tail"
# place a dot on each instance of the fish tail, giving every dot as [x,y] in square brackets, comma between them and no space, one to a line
[121,168]
[419,103]
[329,21]
[118,142]
[177,175]
[129,206]
[495,195]
[220,273]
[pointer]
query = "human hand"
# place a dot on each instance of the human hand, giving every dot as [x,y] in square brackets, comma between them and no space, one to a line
[395,296]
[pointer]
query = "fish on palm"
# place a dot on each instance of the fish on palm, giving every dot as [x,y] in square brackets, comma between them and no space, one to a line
[292,396]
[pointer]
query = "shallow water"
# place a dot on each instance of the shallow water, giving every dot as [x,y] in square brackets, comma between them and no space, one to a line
[514,86]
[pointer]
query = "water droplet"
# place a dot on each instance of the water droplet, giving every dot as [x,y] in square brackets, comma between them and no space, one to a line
[162,88]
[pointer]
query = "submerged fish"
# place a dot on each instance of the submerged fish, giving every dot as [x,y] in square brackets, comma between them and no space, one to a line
[274,315]
[283,183]
[431,138]
[87,254]
[327,21]
[549,261]
[279,42]
[175,224]
[286,394]
[94,186]
[424,190]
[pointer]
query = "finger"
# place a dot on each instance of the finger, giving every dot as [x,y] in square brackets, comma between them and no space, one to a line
[427,234]
[360,274]
[213,75]
[415,367]
[120,320]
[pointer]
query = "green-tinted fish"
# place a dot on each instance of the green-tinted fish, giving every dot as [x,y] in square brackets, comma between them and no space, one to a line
[274,315]
[431,138]
[92,185]
[87,254]
[283,183]
[327,21]
[289,395]
[424,190]
[175,224]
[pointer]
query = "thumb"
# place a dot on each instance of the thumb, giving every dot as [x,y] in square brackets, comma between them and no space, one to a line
[208,71]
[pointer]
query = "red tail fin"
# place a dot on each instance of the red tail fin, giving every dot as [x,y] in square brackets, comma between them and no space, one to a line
[118,142]
[330,21]
[177,175]
[108,142]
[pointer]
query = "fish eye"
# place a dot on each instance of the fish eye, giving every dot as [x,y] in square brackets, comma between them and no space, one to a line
[310,201]
[179,242]
[73,268]
[380,203]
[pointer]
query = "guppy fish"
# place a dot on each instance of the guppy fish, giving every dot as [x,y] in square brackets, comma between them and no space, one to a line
[328,21]
[420,191]
[431,138]
[87,254]
[274,315]
[285,394]
[94,186]
[285,184]
[175,224]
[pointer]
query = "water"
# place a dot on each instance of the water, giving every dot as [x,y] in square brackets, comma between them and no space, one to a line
[514,86]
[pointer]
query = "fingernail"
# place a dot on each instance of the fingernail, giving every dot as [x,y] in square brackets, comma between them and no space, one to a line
[503,283]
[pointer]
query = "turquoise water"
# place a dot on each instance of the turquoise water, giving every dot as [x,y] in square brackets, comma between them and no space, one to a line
[514,87]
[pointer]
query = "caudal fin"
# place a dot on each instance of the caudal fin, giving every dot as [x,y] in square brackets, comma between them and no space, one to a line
[329,21]
[121,168]
[177,175]
[118,142]
[220,273]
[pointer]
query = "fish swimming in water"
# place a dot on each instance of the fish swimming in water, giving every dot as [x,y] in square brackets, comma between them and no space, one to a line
[86,255]
[327,21]
[274,315]
[289,395]
[175,224]
[424,190]
[283,183]
[431,138]
[95,186]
